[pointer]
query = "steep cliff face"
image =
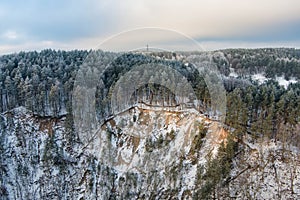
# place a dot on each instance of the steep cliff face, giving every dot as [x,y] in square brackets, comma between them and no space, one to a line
[142,153]
[266,170]
[36,162]
[153,152]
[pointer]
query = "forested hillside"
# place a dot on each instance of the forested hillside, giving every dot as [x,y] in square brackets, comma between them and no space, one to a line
[43,83]
[40,81]
[273,62]
[37,91]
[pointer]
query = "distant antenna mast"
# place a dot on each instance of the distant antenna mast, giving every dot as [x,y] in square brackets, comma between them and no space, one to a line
[147,47]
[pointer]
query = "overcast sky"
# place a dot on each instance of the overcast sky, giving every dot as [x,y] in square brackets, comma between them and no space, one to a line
[69,24]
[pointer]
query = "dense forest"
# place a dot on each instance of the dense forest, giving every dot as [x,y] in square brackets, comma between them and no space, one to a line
[43,83]
[39,81]
[46,83]
[273,62]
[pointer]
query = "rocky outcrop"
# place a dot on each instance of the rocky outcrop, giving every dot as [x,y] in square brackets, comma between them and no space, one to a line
[141,153]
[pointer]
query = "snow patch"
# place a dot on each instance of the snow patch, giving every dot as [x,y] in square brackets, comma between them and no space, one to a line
[281,80]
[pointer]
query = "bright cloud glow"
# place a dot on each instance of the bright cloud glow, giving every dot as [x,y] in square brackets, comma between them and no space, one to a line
[11,35]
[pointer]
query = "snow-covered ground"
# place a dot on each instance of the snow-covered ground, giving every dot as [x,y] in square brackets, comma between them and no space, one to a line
[284,82]
[266,170]
[261,78]
[233,73]
[142,151]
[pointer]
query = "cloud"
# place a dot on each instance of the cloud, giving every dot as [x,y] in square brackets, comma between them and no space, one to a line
[59,20]
[211,18]
[68,23]
[11,35]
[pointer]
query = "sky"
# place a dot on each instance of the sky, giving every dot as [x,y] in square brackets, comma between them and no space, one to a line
[128,24]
